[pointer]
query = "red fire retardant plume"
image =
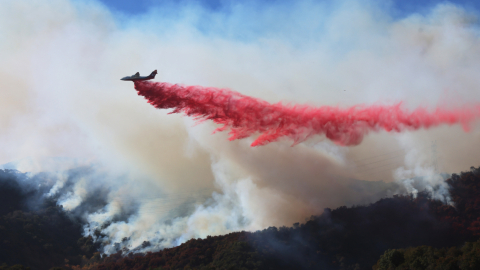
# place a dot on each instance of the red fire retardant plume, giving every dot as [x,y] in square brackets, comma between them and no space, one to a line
[245,116]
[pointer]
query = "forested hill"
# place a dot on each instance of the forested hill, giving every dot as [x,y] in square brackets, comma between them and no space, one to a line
[345,238]
[402,232]
[34,231]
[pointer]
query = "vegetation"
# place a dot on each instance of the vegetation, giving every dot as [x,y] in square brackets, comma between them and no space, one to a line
[41,238]
[403,232]
[425,257]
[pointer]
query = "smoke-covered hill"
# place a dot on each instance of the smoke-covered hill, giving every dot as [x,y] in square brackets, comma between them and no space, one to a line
[37,233]
[344,238]
[34,230]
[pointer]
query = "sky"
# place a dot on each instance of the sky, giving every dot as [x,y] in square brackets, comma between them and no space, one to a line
[400,8]
[165,178]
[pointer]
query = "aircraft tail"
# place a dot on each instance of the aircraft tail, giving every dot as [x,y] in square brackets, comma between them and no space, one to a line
[153,73]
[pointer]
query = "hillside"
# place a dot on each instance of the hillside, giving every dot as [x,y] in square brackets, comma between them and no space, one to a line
[393,233]
[344,238]
[34,230]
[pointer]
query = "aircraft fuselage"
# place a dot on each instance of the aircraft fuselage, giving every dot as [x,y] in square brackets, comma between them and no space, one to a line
[137,77]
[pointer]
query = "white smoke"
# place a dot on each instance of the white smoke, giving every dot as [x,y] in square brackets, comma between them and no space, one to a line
[420,172]
[138,174]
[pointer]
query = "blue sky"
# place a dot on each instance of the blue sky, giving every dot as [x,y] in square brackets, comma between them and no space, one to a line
[400,7]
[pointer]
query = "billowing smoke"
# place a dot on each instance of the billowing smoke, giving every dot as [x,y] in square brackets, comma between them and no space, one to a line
[137,174]
[245,116]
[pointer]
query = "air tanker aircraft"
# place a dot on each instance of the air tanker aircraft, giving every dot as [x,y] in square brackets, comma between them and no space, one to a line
[137,77]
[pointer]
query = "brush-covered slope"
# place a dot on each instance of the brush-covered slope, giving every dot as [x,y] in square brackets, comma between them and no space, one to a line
[34,230]
[402,232]
[344,238]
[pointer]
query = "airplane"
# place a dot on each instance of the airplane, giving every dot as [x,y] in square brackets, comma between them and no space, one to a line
[137,77]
